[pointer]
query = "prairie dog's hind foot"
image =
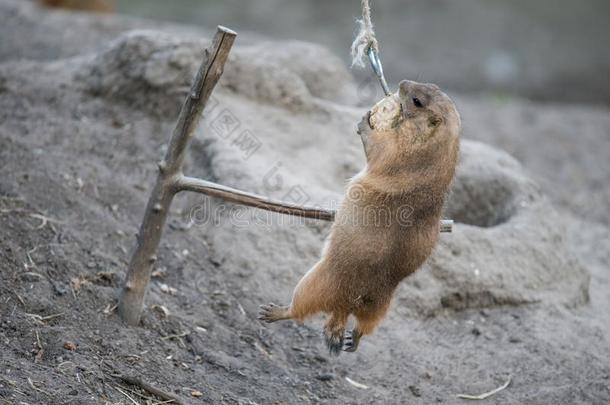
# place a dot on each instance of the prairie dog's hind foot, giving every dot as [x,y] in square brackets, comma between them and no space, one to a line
[334,331]
[272,312]
[334,341]
[352,340]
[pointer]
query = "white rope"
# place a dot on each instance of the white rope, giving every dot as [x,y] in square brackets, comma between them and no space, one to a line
[365,38]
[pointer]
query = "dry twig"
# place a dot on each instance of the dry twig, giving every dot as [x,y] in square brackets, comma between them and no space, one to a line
[178,335]
[486,394]
[44,220]
[40,352]
[16,295]
[133,401]
[356,384]
[35,388]
[149,388]
[43,318]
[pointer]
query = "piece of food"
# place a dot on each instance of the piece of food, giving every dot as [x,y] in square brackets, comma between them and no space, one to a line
[386,113]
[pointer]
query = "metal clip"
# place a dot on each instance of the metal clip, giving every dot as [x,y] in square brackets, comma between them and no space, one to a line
[378,69]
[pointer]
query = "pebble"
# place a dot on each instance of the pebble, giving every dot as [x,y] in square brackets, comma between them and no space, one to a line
[325,376]
[415,390]
[70,346]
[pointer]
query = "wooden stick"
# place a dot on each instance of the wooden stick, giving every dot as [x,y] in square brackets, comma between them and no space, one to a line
[252,200]
[149,388]
[138,274]
[235,196]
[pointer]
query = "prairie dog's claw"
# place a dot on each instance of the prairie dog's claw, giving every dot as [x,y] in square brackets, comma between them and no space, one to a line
[351,341]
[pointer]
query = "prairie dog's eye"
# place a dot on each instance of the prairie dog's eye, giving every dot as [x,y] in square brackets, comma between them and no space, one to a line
[417,103]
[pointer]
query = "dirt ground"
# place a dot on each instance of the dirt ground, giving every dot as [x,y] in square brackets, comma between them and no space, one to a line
[84,117]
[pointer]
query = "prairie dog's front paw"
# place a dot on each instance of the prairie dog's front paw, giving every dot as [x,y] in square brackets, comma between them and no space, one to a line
[364,126]
[364,130]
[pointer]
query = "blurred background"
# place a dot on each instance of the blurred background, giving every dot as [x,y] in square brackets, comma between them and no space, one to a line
[548,50]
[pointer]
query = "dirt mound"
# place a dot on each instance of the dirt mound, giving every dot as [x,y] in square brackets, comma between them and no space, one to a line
[503,222]
[80,140]
[151,70]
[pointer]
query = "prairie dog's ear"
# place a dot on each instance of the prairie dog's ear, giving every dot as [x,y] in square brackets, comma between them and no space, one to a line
[403,88]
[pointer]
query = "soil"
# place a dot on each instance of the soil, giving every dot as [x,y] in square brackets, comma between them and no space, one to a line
[518,291]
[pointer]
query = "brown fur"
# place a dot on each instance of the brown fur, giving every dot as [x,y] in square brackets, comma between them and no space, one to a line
[388,223]
[99,6]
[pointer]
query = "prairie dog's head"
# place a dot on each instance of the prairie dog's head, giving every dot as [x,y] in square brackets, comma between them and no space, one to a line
[417,110]
[427,112]
[418,124]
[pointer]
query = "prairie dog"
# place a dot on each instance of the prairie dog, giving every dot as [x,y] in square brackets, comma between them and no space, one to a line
[388,222]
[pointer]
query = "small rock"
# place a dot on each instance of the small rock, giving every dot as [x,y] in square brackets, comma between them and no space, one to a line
[415,390]
[31,277]
[159,273]
[70,346]
[475,331]
[325,376]
[73,392]
[167,289]
[196,394]
[161,310]
[514,339]
[60,289]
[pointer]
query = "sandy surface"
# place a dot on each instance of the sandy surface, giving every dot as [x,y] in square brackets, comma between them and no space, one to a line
[520,290]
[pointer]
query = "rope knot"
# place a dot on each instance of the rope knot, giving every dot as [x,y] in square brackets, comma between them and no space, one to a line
[365,39]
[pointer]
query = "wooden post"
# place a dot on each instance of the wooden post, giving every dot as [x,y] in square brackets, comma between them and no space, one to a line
[170,170]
